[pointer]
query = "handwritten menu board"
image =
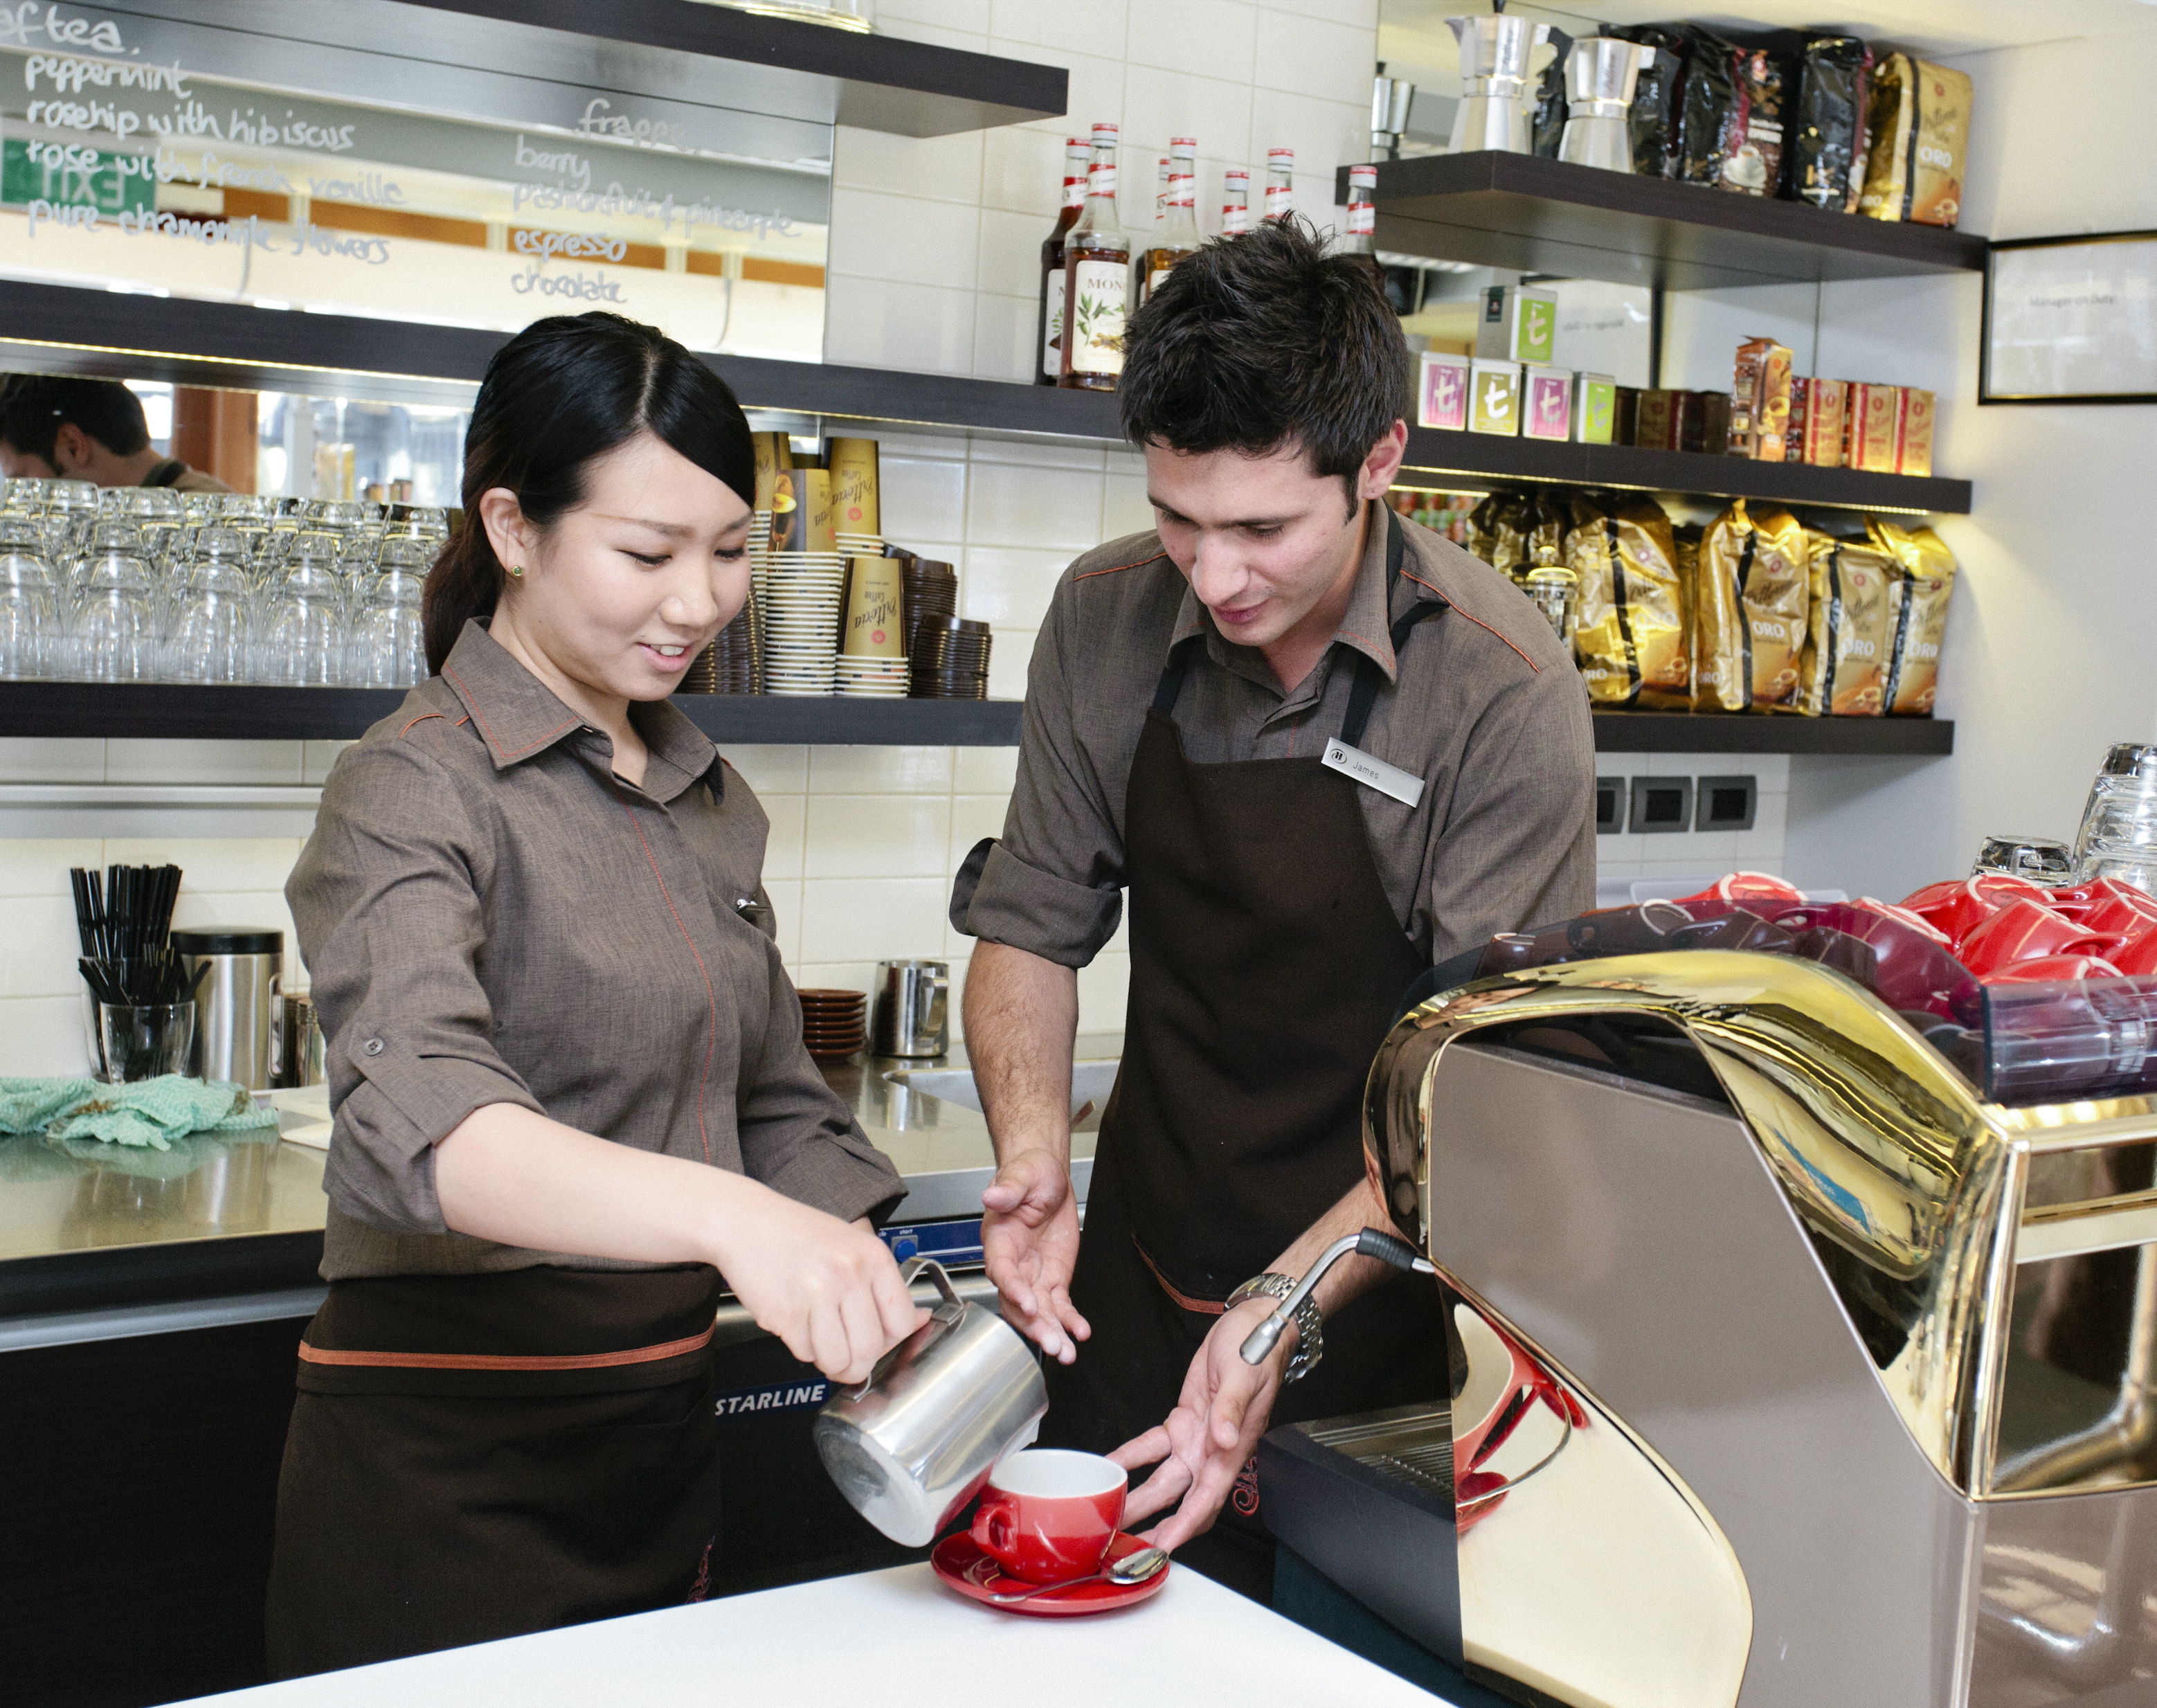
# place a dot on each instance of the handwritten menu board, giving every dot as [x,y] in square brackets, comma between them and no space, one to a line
[119,169]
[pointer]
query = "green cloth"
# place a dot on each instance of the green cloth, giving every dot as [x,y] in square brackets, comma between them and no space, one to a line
[146,1112]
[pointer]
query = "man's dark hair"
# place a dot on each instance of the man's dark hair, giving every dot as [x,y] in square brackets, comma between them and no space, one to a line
[33,407]
[1262,340]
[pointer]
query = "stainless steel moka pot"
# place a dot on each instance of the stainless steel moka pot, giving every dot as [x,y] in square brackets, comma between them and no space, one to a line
[1494,82]
[1600,72]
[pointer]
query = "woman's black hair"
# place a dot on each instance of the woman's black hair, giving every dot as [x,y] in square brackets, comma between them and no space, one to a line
[564,390]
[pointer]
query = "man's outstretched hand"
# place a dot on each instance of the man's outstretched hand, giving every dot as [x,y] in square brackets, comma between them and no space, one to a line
[1030,1244]
[1205,1443]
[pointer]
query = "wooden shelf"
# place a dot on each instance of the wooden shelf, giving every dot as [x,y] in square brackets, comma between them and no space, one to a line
[1534,215]
[1433,453]
[178,711]
[1735,732]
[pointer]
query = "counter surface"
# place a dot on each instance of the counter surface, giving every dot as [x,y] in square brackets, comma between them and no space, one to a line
[86,1225]
[896,1638]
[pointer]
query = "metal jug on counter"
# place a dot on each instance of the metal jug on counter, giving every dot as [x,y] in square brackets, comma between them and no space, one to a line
[1493,113]
[917,1441]
[1600,72]
[237,1007]
[911,1016]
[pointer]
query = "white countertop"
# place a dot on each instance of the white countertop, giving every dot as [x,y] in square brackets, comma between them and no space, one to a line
[883,1639]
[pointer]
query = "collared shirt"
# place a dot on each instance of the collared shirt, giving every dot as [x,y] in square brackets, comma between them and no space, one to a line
[492,915]
[1482,702]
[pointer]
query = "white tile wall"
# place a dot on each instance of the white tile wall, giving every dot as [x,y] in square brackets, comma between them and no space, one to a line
[935,244]
[1686,853]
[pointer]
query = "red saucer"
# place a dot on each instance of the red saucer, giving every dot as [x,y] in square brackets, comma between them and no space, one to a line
[960,1562]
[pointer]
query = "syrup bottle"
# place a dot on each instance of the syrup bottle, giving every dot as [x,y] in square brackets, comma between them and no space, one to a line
[1097,278]
[1049,339]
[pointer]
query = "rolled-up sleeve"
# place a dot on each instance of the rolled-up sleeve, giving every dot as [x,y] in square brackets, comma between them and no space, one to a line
[386,898]
[1053,885]
[1518,847]
[796,1136]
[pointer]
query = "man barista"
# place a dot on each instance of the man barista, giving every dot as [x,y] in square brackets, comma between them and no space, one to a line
[1192,697]
[58,427]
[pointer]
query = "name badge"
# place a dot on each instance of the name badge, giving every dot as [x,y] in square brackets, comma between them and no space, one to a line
[1372,773]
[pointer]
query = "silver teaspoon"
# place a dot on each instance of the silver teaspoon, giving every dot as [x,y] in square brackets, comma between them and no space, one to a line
[1133,1568]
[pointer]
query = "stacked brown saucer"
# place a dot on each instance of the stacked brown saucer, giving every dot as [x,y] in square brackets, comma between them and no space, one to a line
[950,659]
[834,1023]
[729,664]
[928,589]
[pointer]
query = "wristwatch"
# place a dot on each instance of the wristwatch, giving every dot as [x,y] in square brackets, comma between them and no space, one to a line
[1310,1340]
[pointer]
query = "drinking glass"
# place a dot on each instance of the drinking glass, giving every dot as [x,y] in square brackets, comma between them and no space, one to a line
[2118,834]
[143,1042]
[114,618]
[214,596]
[298,625]
[30,602]
[2039,858]
[389,648]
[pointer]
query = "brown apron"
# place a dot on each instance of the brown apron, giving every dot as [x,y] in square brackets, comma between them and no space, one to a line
[482,1456]
[1266,963]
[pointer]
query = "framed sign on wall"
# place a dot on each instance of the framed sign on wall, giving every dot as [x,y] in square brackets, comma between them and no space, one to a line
[2071,320]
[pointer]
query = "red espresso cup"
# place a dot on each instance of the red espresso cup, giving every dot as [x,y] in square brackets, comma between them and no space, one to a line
[1049,1514]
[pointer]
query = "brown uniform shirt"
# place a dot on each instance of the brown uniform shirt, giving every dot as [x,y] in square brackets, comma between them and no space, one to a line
[492,915]
[1483,703]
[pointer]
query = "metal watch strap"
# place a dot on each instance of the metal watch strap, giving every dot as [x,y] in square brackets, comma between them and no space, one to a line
[1309,1337]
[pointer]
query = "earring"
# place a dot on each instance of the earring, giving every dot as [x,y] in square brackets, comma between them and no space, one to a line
[517,570]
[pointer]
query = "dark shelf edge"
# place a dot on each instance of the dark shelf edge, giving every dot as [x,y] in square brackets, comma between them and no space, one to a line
[1490,457]
[182,712]
[965,89]
[1434,190]
[238,343]
[1736,732]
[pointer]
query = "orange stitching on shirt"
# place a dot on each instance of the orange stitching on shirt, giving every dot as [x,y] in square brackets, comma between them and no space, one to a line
[487,729]
[416,722]
[1477,621]
[1118,569]
[710,997]
[1386,649]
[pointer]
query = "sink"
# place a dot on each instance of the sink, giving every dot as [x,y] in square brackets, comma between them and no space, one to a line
[1091,1082]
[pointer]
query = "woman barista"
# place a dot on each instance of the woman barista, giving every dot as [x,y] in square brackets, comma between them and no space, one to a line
[569,1081]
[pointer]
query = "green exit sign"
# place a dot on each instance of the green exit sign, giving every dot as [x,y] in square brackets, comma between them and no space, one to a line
[68,175]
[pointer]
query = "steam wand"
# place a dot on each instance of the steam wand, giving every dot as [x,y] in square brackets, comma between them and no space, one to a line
[1386,1247]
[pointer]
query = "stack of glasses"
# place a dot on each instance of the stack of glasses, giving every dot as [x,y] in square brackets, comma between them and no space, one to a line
[950,659]
[145,584]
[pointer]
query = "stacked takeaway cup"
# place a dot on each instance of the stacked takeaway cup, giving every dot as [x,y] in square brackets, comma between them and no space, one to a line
[872,662]
[950,659]
[834,1023]
[799,586]
[856,506]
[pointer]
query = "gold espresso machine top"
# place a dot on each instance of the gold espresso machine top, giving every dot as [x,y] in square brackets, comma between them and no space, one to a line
[1787,1369]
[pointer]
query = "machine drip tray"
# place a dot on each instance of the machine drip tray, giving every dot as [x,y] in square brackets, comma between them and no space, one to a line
[1367,1500]
[1412,1444]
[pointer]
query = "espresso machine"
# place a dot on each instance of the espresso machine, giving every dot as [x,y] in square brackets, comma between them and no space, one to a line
[1803,1338]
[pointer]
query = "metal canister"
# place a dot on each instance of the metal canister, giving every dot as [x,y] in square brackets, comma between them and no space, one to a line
[299,1046]
[917,1441]
[911,1014]
[236,1004]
